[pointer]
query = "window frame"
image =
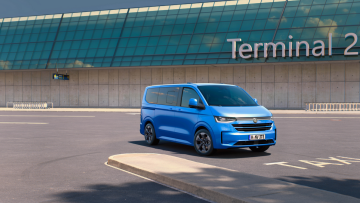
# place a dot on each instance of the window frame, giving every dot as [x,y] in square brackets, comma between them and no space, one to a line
[180,97]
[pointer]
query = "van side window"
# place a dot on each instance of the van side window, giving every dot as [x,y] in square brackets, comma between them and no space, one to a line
[152,95]
[168,96]
[187,94]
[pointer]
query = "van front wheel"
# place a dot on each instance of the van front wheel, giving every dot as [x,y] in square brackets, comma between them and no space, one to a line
[259,148]
[150,136]
[203,143]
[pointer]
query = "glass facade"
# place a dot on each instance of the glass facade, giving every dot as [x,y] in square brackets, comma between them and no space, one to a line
[186,34]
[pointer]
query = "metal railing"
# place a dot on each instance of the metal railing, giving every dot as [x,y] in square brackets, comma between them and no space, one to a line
[31,105]
[332,106]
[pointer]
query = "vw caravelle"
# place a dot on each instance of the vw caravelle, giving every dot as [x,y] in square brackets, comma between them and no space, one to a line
[206,116]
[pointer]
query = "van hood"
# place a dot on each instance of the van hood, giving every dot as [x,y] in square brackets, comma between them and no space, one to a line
[240,111]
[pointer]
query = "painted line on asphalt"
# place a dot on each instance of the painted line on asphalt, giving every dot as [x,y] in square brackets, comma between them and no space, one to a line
[49,116]
[316,117]
[26,123]
[133,113]
[158,183]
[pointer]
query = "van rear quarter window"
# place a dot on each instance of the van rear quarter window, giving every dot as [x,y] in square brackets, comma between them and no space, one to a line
[168,95]
[152,95]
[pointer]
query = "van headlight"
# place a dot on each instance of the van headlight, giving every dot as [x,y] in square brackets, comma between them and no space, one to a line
[220,119]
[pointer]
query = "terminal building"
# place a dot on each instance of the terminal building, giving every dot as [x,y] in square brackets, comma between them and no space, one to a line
[284,53]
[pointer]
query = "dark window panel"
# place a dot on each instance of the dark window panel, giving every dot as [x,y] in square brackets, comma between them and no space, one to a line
[266,5]
[316,10]
[312,21]
[250,14]
[339,20]
[239,15]
[308,33]
[247,25]
[259,24]
[330,9]
[227,16]
[290,11]
[282,35]
[223,27]
[263,14]
[355,8]
[272,23]
[298,22]
[353,19]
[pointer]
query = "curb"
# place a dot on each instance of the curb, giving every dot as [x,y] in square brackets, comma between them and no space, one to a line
[202,192]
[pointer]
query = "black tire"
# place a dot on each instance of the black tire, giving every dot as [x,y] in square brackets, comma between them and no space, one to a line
[150,135]
[203,143]
[259,148]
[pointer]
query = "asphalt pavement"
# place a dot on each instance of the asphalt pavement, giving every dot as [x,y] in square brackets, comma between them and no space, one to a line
[60,156]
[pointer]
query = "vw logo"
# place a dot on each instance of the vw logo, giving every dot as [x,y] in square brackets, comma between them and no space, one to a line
[255,120]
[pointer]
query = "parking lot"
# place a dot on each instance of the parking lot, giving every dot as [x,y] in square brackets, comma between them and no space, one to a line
[60,156]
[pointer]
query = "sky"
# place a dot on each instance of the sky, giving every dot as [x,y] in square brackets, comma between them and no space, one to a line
[20,8]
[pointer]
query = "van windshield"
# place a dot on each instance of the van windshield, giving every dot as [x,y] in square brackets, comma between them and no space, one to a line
[222,95]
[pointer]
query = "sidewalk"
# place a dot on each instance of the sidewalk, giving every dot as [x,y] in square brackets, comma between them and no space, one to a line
[137,110]
[219,184]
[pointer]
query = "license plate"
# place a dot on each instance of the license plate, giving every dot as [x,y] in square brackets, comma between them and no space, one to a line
[257,137]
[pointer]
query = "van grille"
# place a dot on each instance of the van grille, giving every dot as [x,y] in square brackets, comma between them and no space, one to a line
[252,127]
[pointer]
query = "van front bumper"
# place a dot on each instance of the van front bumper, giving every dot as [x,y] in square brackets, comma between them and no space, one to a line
[242,139]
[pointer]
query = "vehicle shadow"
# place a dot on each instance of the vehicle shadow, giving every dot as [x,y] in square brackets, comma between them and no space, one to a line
[189,150]
[349,187]
[126,192]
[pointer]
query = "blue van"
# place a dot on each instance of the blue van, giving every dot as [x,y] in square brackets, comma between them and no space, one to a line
[206,116]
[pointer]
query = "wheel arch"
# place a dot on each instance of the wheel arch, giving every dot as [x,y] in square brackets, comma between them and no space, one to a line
[202,125]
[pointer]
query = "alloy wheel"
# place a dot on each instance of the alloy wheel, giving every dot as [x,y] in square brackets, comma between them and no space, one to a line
[203,142]
[148,134]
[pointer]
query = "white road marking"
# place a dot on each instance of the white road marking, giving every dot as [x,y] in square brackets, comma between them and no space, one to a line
[48,116]
[158,182]
[319,163]
[133,113]
[22,123]
[284,164]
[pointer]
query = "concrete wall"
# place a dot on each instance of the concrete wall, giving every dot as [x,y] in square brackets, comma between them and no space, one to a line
[282,86]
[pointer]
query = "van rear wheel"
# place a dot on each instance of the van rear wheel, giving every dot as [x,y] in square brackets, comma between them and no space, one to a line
[203,143]
[150,136]
[259,148]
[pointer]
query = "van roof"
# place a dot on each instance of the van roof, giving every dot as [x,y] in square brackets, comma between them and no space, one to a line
[190,84]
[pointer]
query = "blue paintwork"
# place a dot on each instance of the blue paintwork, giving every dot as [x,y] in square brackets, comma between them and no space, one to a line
[179,124]
[193,102]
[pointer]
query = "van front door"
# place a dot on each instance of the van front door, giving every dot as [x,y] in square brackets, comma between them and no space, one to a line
[186,117]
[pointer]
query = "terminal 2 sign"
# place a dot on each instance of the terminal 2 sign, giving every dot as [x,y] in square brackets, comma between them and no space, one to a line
[318,50]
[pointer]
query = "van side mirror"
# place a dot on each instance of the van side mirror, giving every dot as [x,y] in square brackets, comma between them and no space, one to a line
[255,100]
[193,103]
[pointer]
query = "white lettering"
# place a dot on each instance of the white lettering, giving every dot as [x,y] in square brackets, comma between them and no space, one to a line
[330,44]
[322,47]
[266,45]
[298,44]
[233,45]
[347,53]
[241,50]
[256,49]
[290,46]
